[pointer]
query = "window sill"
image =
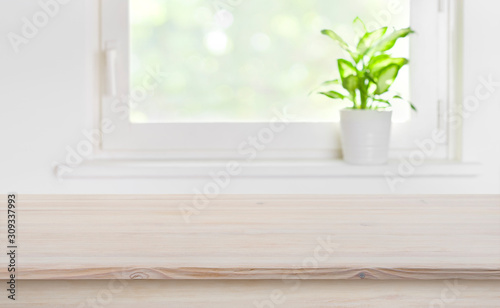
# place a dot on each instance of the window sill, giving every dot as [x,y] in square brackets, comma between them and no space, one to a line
[107,168]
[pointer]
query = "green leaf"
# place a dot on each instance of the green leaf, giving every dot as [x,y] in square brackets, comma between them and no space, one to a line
[350,83]
[346,68]
[379,62]
[376,61]
[333,94]
[330,82]
[334,36]
[359,26]
[370,77]
[389,41]
[369,39]
[349,75]
[355,56]
[386,78]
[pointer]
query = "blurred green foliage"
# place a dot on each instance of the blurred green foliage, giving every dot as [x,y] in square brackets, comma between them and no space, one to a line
[239,60]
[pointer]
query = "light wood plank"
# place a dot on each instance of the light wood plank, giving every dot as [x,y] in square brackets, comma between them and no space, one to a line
[258,237]
[255,294]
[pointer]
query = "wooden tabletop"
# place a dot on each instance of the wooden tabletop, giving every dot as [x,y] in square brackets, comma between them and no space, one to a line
[255,237]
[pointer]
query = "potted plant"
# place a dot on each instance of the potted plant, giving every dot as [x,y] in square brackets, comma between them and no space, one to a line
[365,81]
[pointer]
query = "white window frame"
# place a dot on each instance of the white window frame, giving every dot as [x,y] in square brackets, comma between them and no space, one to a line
[432,20]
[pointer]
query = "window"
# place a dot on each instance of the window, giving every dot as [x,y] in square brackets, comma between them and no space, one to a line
[221,71]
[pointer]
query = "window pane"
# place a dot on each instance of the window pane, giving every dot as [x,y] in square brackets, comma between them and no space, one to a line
[240,60]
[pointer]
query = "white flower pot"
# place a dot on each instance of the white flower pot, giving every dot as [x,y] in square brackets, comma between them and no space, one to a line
[365,136]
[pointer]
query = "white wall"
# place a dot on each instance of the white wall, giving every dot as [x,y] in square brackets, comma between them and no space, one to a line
[45,105]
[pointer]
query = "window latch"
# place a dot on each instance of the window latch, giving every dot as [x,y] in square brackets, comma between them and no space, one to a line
[441,6]
[111,57]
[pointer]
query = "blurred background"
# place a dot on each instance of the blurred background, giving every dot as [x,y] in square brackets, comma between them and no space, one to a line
[226,62]
[238,63]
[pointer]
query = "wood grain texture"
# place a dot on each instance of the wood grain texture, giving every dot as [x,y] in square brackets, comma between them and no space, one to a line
[255,294]
[257,237]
